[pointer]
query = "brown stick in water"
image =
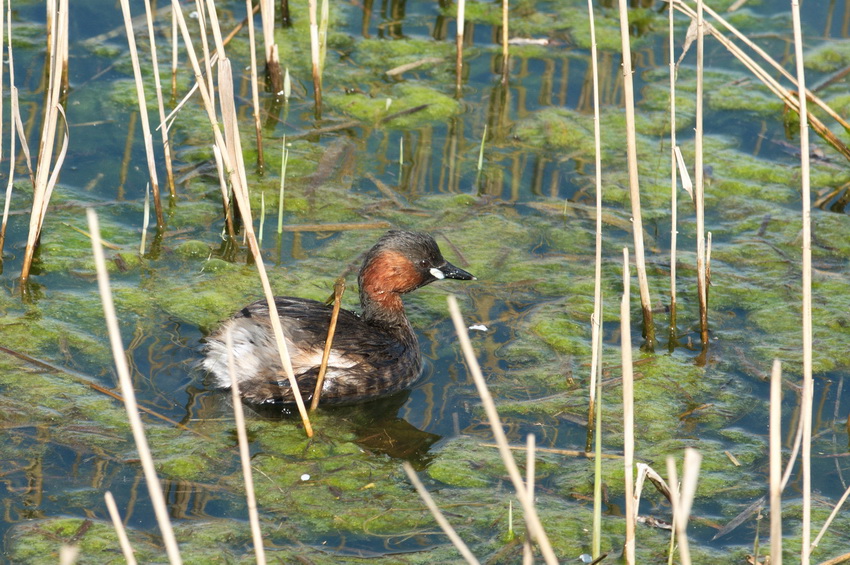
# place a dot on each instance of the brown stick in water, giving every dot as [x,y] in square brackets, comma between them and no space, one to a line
[339,290]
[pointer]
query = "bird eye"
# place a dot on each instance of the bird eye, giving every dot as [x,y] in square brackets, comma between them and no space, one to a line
[423,263]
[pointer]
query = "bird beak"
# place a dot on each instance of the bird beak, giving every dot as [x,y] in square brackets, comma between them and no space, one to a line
[449,271]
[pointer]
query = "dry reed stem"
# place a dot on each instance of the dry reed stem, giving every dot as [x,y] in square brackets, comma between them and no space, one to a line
[16,118]
[314,57]
[829,520]
[45,179]
[771,83]
[529,465]
[808,385]
[675,497]
[438,515]
[240,191]
[690,474]
[267,19]
[324,21]
[461,23]
[63,54]
[634,181]
[597,462]
[773,63]
[123,540]
[154,487]
[596,318]
[339,290]
[699,177]
[244,452]
[674,188]
[205,48]
[776,464]
[341,226]
[166,144]
[175,55]
[505,41]
[270,47]
[628,410]
[225,196]
[792,457]
[255,88]
[532,520]
[530,459]
[844,558]
[143,108]
[146,213]
[19,127]
[68,554]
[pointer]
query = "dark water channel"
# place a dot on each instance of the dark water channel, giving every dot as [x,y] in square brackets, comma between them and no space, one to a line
[523,224]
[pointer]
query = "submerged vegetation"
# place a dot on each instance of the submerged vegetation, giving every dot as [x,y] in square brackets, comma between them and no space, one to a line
[401,149]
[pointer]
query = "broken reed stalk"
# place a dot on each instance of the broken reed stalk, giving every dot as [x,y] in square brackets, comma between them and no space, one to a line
[674,193]
[146,213]
[244,452]
[273,70]
[154,487]
[461,23]
[314,52]
[63,55]
[634,181]
[788,97]
[255,88]
[596,318]
[339,290]
[123,540]
[240,192]
[68,554]
[690,477]
[773,63]
[699,176]
[324,21]
[825,527]
[45,179]
[143,111]
[438,515]
[675,498]
[628,410]
[808,385]
[532,520]
[776,464]
[166,145]
[795,452]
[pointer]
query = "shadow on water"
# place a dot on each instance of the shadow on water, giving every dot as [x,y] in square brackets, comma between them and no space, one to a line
[375,424]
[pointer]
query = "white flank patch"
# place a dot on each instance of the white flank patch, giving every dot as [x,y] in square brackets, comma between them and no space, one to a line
[437,273]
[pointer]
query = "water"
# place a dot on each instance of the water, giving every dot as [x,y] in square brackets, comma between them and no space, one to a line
[66,443]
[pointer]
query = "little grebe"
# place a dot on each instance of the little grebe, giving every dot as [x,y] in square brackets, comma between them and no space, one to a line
[373,354]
